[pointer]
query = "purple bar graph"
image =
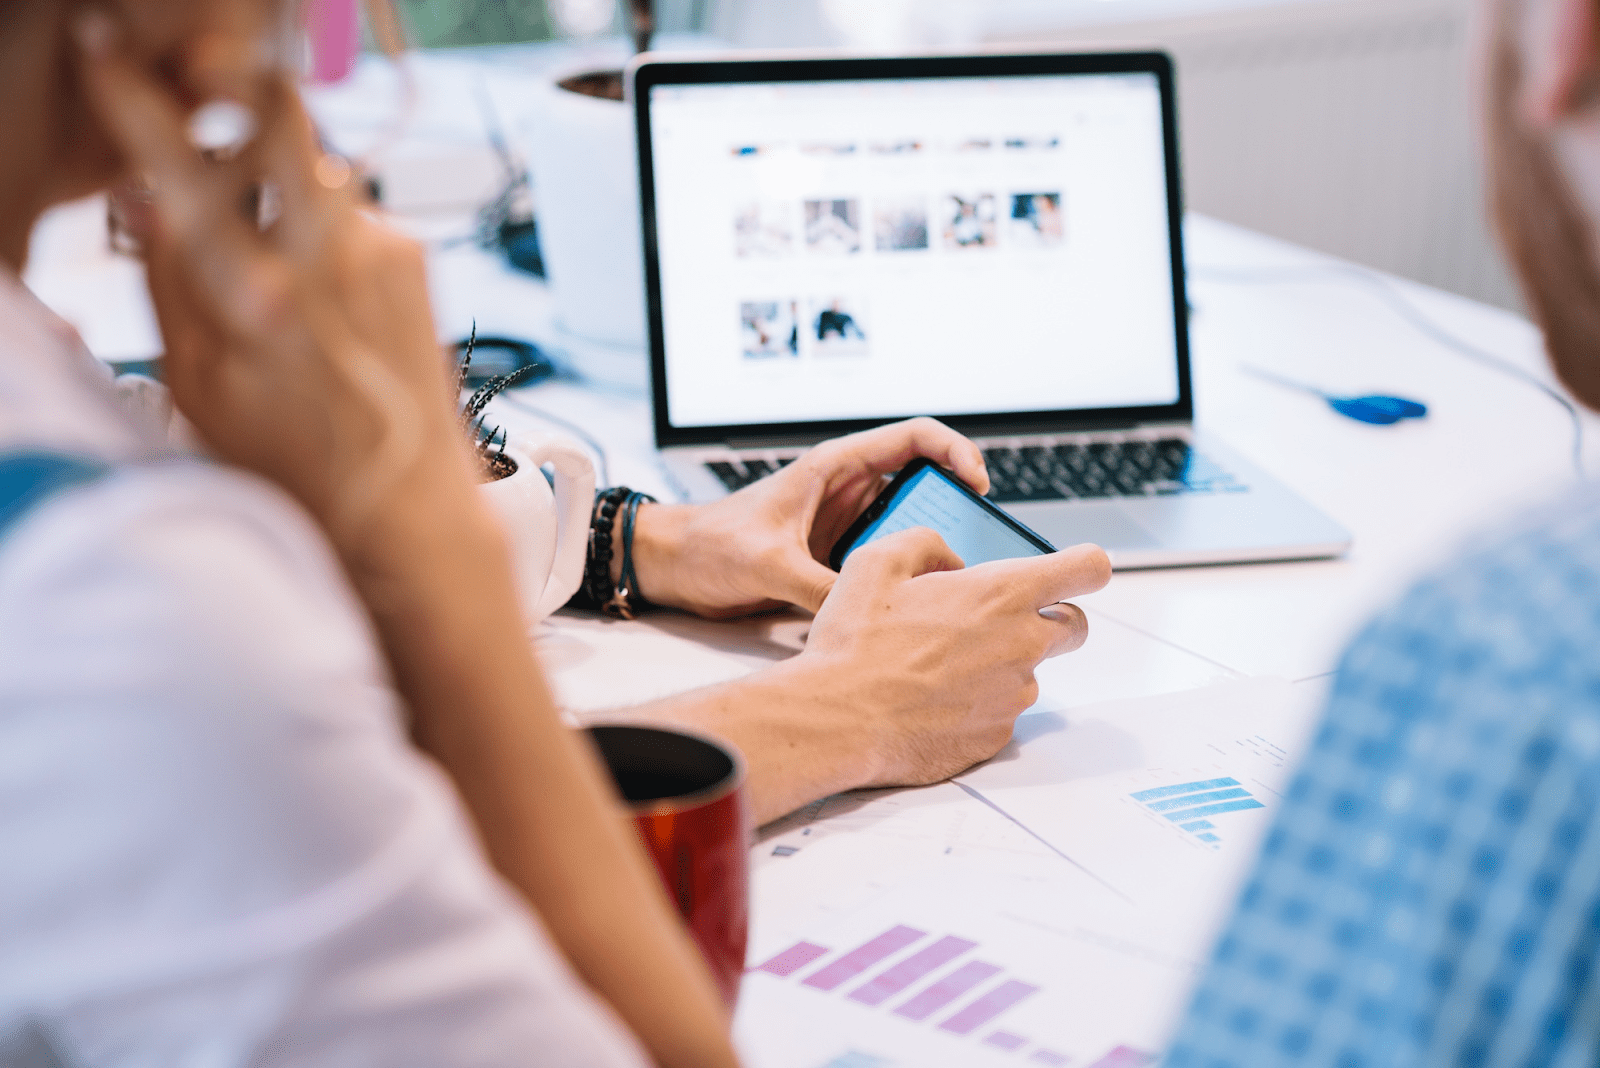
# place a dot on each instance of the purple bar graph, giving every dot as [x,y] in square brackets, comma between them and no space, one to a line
[1049,1056]
[863,957]
[988,1007]
[946,990]
[1125,1057]
[1006,1041]
[792,959]
[891,981]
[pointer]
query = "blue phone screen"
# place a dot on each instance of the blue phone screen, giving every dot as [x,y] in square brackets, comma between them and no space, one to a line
[927,499]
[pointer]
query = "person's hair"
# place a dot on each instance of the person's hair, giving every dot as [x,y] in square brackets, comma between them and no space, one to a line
[1547,233]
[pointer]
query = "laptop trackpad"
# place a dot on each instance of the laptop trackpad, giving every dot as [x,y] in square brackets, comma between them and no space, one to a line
[1102,523]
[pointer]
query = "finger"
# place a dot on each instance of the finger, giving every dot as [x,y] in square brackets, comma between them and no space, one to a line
[1063,629]
[889,448]
[1038,581]
[148,125]
[801,581]
[905,554]
[195,206]
[314,186]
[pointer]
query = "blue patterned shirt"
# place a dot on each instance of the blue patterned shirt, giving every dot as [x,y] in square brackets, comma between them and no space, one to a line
[1430,892]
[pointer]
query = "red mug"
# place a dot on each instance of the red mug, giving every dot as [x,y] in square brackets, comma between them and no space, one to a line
[686,793]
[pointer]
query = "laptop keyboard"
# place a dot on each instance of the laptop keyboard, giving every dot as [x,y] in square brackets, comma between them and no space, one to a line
[1061,472]
[1103,469]
[737,476]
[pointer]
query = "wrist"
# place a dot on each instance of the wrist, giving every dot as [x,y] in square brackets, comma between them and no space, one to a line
[434,534]
[817,738]
[659,534]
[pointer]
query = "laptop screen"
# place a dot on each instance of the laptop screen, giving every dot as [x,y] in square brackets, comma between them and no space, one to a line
[867,249]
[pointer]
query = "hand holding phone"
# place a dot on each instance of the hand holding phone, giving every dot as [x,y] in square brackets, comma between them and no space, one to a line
[925,495]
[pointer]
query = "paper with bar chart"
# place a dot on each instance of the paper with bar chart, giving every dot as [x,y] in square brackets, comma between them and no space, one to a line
[1051,907]
[970,970]
[1164,800]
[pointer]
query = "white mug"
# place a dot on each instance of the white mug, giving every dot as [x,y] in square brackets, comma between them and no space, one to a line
[548,531]
[581,151]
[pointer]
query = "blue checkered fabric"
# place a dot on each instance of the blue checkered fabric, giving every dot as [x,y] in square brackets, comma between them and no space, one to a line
[1430,892]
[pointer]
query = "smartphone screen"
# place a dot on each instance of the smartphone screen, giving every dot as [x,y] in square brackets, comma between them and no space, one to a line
[930,499]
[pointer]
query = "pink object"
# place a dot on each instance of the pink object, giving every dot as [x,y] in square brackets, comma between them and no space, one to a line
[792,959]
[890,982]
[863,957]
[334,30]
[988,1007]
[946,990]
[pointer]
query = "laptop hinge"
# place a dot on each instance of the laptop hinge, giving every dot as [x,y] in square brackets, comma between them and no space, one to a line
[1014,430]
[787,441]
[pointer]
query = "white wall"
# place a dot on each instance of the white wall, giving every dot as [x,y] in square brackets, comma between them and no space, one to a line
[1345,125]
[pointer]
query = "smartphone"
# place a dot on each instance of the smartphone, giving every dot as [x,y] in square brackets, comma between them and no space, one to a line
[924,494]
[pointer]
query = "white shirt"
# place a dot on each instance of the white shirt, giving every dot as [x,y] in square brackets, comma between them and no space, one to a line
[217,847]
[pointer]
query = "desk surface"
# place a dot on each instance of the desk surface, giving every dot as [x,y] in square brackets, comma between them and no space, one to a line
[1489,445]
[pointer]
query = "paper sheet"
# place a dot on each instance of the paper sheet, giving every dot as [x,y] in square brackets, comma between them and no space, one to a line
[1055,905]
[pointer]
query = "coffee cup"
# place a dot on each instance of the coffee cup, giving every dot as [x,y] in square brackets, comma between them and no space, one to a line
[687,796]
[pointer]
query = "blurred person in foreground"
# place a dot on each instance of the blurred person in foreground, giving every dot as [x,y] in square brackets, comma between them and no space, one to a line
[280,779]
[1430,892]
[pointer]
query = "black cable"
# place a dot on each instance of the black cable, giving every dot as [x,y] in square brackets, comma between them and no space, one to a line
[1410,313]
[603,470]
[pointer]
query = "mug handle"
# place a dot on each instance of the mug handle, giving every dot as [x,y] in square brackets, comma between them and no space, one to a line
[574,493]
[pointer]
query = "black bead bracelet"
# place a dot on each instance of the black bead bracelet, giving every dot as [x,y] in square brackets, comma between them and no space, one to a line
[622,601]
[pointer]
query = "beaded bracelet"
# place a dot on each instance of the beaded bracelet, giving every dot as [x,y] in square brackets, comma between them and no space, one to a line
[622,601]
[626,600]
[596,587]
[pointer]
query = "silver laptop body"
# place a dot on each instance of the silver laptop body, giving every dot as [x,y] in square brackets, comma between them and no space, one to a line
[995,240]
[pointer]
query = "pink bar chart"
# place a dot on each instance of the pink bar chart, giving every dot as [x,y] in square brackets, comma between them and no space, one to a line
[933,984]
[863,957]
[917,966]
[938,995]
[987,1007]
[1125,1057]
[792,959]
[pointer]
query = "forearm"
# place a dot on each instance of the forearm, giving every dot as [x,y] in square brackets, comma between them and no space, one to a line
[457,644]
[787,720]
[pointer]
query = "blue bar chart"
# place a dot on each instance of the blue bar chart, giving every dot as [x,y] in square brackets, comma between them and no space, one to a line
[1191,806]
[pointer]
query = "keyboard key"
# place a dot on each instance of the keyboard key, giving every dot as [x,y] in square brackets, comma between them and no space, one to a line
[727,474]
[1102,469]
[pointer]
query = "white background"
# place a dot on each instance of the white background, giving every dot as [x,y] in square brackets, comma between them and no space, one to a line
[1087,323]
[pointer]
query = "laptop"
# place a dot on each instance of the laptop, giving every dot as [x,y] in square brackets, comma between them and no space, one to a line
[994,240]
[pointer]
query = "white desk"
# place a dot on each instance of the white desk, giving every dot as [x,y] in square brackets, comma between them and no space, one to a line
[1407,492]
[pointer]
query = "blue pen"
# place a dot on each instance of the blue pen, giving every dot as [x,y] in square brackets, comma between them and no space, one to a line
[1377,409]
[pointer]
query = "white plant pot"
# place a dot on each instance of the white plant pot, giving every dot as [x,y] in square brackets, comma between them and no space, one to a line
[548,531]
[582,157]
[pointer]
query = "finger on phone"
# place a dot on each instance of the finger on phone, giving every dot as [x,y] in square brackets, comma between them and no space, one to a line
[905,554]
[891,447]
[1063,628]
[1037,581]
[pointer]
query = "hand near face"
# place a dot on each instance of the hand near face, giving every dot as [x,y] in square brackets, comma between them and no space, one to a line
[763,546]
[299,340]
